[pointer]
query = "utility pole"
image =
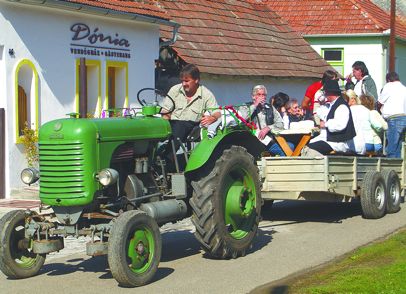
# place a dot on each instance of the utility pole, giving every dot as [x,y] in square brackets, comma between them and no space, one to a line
[392,41]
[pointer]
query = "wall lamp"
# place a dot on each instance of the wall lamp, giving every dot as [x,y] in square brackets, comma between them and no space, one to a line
[11,52]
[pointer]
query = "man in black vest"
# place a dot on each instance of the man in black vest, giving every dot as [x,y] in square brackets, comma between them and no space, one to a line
[339,124]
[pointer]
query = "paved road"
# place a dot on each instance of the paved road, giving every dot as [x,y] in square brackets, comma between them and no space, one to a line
[293,236]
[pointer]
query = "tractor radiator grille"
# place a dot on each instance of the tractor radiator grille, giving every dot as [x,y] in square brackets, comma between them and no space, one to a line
[62,169]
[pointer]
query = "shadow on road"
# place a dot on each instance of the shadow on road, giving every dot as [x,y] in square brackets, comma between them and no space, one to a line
[97,264]
[306,211]
[179,244]
[264,238]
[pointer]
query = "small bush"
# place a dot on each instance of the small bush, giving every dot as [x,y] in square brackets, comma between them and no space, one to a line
[30,141]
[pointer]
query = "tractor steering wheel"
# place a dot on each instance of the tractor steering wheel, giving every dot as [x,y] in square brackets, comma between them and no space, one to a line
[142,102]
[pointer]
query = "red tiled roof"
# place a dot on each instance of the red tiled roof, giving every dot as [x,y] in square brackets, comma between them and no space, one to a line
[142,7]
[239,38]
[310,17]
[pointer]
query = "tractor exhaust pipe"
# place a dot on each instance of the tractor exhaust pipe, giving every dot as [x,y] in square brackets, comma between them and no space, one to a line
[165,211]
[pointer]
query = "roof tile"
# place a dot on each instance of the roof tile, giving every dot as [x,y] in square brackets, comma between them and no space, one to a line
[335,17]
[142,7]
[233,37]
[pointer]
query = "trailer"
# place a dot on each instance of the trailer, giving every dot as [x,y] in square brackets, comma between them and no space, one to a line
[377,182]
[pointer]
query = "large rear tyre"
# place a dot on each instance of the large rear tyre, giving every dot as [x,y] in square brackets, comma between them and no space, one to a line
[392,183]
[226,204]
[373,195]
[16,260]
[134,249]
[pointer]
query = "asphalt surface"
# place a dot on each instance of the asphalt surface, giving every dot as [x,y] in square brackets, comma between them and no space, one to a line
[293,237]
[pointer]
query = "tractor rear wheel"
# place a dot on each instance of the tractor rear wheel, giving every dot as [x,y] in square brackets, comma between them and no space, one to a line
[17,260]
[226,204]
[134,249]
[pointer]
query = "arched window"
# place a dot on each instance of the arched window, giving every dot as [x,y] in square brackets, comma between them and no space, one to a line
[26,97]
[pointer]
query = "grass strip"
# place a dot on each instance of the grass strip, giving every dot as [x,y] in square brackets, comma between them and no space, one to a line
[376,268]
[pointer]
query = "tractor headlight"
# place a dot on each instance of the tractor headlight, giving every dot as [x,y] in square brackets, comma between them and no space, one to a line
[108,176]
[29,175]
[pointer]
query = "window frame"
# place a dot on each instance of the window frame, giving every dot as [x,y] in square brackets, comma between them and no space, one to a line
[334,63]
[29,63]
[88,62]
[116,64]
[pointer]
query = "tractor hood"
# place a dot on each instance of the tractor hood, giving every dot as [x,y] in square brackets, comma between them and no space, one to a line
[106,129]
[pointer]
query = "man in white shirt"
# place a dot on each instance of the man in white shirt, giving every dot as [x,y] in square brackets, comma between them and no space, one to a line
[392,103]
[339,124]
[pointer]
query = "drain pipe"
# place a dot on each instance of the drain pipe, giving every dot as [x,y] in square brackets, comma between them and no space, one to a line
[173,39]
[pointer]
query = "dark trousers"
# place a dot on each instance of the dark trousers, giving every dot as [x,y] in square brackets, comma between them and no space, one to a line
[321,146]
[180,131]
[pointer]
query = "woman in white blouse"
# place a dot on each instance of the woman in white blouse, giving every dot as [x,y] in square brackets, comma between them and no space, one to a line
[378,125]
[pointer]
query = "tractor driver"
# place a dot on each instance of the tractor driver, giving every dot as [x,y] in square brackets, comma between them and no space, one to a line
[191,100]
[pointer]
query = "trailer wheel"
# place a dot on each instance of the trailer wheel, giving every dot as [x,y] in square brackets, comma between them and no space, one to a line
[134,249]
[392,183]
[226,204]
[373,195]
[17,261]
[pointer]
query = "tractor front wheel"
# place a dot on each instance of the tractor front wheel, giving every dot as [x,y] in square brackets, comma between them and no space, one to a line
[134,249]
[226,204]
[17,261]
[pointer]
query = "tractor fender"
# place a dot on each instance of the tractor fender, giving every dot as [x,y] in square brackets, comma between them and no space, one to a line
[208,150]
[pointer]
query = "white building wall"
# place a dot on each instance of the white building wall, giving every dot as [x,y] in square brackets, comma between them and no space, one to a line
[370,51]
[400,63]
[43,36]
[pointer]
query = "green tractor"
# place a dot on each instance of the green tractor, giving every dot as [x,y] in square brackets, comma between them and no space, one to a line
[104,178]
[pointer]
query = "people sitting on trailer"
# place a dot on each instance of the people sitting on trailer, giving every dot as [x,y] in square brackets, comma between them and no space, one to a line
[280,102]
[321,115]
[191,99]
[266,118]
[295,113]
[378,125]
[339,123]
[362,124]
[310,101]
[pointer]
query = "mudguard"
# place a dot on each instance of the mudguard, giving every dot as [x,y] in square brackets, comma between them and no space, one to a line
[209,149]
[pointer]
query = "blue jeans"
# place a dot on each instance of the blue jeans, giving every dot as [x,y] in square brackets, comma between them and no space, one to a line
[377,148]
[395,135]
[275,149]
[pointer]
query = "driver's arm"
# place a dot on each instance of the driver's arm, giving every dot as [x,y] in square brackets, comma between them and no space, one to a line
[167,104]
[165,116]
[211,103]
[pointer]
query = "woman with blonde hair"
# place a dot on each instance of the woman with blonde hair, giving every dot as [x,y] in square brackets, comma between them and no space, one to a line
[377,122]
[360,116]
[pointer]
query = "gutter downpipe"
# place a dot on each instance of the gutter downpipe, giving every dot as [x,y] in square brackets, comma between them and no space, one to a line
[173,39]
[105,12]
[385,33]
